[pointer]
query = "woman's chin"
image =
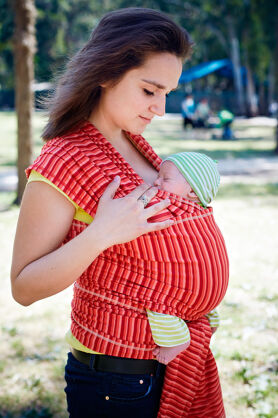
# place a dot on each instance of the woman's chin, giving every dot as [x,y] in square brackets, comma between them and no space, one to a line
[137,130]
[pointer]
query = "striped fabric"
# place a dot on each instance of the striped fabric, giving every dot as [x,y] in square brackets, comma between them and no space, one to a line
[213,318]
[180,271]
[168,330]
[196,391]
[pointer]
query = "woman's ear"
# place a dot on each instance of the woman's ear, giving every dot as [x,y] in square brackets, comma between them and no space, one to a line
[109,83]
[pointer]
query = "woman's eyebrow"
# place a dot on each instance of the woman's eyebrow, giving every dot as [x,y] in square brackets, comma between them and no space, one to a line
[154,83]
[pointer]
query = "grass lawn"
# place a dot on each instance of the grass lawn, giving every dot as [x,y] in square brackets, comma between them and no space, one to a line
[33,350]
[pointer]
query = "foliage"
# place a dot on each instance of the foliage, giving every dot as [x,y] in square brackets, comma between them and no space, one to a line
[6,55]
[62,27]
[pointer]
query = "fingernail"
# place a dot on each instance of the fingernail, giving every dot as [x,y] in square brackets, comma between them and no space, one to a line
[117,178]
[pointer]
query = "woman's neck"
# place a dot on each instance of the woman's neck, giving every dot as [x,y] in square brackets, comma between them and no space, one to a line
[105,126]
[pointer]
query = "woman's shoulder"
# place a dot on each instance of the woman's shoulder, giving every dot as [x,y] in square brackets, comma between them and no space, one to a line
[73,148]
[63,154]
[78,137]
[66,161]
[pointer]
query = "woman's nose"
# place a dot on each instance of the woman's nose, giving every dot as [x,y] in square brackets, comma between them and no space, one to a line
[158,108]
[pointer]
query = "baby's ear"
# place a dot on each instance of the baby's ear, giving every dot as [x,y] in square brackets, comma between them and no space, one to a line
[192,195]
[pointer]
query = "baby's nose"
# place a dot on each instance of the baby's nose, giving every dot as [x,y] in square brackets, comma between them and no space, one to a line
[156,182]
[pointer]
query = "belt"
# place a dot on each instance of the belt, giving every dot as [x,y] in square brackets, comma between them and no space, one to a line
[112,364]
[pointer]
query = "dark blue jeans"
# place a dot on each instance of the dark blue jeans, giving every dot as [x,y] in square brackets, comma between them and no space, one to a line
[94,394]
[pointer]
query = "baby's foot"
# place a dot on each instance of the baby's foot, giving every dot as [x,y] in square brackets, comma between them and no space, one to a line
[166,354]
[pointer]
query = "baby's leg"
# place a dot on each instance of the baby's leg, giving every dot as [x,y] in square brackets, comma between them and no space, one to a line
[166,354]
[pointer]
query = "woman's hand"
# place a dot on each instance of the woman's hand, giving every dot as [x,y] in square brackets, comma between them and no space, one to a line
[42,267]
[124,219]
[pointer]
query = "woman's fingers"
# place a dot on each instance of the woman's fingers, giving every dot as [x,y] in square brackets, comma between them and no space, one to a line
[144,189]
[157,226]
[112,214]
[111,189]
[158,207]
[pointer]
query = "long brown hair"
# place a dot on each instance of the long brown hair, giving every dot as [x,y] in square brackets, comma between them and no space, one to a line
[120,42]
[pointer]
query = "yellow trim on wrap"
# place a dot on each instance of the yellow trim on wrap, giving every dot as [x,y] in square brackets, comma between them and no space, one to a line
[74,343]
[80,214]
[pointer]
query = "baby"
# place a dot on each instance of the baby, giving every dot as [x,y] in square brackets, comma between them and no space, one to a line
[195,177]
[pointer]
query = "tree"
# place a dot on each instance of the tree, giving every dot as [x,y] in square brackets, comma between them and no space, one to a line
[222,21]
[24,49]
[6,50]
[62,27]
[268,12]
[276,72]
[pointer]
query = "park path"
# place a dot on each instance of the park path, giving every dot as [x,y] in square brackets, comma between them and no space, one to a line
[249,170]
[245,170]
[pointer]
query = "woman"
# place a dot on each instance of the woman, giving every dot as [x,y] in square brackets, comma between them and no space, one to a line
[111,90]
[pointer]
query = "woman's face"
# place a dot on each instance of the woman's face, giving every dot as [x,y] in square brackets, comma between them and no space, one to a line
[131,104]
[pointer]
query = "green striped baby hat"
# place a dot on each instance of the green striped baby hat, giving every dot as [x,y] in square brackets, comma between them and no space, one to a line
[201,173]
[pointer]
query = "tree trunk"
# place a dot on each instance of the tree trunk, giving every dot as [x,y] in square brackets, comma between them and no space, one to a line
[276,75]
[271,86]
[235,58]
[262,99]
[24,49]
[251,99]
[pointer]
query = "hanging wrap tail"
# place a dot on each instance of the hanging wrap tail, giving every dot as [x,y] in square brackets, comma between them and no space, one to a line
[181,270]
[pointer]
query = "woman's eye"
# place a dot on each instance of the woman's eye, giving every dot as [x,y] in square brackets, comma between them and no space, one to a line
[148,92]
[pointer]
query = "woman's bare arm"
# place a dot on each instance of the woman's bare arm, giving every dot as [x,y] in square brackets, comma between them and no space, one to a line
[40,267]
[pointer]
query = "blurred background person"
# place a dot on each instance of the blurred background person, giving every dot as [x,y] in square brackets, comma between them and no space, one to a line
[202,114]
[226,118]
[273,109]
[188,111]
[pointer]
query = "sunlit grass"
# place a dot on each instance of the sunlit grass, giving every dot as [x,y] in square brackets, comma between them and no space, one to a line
[245,347]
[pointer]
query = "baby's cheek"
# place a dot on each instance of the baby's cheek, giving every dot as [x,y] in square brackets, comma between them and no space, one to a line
[176,188]
[167,187]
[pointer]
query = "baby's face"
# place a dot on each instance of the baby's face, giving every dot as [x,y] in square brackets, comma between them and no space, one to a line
[171,180]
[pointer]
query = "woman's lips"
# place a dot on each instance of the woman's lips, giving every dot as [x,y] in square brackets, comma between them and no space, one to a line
[147,120]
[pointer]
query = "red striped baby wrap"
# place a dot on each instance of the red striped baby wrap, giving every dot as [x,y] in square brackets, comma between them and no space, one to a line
[181,271]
